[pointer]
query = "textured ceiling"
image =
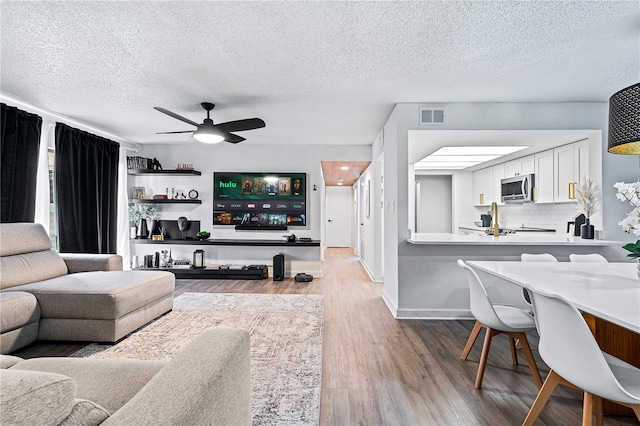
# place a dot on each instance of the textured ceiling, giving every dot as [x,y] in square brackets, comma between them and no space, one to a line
[316,72]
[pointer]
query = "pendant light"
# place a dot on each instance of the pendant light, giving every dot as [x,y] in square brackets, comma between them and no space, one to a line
[624,121]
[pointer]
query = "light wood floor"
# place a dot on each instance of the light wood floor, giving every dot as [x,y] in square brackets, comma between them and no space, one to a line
[381,371]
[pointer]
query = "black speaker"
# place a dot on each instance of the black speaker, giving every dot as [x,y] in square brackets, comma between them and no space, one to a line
[278,267]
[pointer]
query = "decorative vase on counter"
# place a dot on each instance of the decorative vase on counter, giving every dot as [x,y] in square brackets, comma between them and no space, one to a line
[587,230]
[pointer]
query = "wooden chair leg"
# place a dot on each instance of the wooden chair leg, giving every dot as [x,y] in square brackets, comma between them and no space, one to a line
[514,352]
[530,359]
[543,396]
[587,409]
[636,410]
[471,340]
[597,410]
[483,357]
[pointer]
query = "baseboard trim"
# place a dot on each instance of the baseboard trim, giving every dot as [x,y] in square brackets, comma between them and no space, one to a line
[435,314]
[390,305]
[372,277]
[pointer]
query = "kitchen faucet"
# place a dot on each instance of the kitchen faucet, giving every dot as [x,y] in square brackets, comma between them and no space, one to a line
[494,216]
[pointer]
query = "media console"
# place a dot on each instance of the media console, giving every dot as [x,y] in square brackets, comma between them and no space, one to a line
[217,273]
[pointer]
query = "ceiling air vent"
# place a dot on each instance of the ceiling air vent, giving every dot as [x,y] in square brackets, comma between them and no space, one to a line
[431,116]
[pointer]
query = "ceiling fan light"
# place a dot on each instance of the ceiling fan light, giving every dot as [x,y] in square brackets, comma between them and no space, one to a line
[208,136]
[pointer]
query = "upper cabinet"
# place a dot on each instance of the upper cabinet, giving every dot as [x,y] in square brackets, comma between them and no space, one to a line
[483,185]
[498,174]
[543,163]
[571,165]
[520,166]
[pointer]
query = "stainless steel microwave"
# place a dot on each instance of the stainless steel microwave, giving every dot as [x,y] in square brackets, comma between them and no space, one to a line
[517,189]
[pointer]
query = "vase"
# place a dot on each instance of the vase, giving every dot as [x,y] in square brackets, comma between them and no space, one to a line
[142,229]
[151,225]
[638,267]
[587,230]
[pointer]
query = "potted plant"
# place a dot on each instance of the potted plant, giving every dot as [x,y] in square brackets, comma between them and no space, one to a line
[588,200]
[144,215]
[631,224]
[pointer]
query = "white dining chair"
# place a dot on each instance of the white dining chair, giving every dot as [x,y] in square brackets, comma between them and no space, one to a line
[541,257]
[591,257]
[530,257]
[497,319]
[568,347]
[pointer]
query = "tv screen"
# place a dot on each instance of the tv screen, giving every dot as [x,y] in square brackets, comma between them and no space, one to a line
[260,199]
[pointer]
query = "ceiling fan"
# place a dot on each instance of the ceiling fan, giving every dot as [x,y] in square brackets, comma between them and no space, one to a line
[207,132]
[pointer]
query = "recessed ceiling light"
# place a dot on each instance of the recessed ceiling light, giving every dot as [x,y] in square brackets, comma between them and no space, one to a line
[461,157]
[340,179]
[344,168]
[339,183]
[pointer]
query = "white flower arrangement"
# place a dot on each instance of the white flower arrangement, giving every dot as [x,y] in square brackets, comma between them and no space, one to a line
[143,211]
[588,198]
[630,192]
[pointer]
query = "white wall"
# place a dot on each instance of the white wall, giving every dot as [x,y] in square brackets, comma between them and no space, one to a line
[484,116]
[371,227]
[435,208]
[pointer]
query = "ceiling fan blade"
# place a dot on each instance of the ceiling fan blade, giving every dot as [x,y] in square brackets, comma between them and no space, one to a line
[176,116]
[168,133]
[239,125]
[231,138]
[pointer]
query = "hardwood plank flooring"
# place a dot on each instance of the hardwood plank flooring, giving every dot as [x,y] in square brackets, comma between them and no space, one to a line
[381,371]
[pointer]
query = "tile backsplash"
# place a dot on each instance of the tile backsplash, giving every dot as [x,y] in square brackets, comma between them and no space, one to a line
[551,216]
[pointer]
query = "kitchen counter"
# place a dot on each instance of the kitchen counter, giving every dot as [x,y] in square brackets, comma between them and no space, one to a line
[528,239]
[432,286]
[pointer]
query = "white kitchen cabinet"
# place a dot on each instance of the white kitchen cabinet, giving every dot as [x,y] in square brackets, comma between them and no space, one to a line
[544,174]
[520,166]
[571,166]
[483,187]
[498,173]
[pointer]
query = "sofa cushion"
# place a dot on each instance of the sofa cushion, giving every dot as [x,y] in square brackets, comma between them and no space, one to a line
[26,268]
[108,382]
[7,361]
[85,413]
[20,238]
[18,308]
[99,295]
[35,397]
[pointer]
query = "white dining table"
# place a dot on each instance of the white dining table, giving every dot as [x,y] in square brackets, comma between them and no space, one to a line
[610,291]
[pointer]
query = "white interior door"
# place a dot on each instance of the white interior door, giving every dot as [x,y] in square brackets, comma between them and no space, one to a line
[338,216]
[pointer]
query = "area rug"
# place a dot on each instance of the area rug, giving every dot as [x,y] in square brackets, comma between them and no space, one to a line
[286,346]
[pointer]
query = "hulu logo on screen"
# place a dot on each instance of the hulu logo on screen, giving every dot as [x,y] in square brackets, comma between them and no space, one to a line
[227,184]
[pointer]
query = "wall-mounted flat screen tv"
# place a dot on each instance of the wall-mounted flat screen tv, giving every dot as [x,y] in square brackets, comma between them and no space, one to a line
[260,199]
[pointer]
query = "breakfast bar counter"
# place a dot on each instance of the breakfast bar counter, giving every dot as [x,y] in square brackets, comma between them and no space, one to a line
[432,286]
[526,239]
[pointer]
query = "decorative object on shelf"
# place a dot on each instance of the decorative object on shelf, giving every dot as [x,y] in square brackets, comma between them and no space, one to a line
[137,192]
[185,167]
[155,164]
[588,200]
[140,214]
[198,258]
[203,235]
[624,121]
[160,197]
[157,237]
[193,194]
[183,224]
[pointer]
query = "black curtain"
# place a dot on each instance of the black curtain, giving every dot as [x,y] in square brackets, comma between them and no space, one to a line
[19,148]
[86,179]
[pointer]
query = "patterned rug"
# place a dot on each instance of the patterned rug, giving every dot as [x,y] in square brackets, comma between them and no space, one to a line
[286,346]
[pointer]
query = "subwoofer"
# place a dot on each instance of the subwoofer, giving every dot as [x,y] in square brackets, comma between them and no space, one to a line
[278,267]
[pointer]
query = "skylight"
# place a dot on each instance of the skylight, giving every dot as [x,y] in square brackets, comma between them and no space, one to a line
[461,157]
